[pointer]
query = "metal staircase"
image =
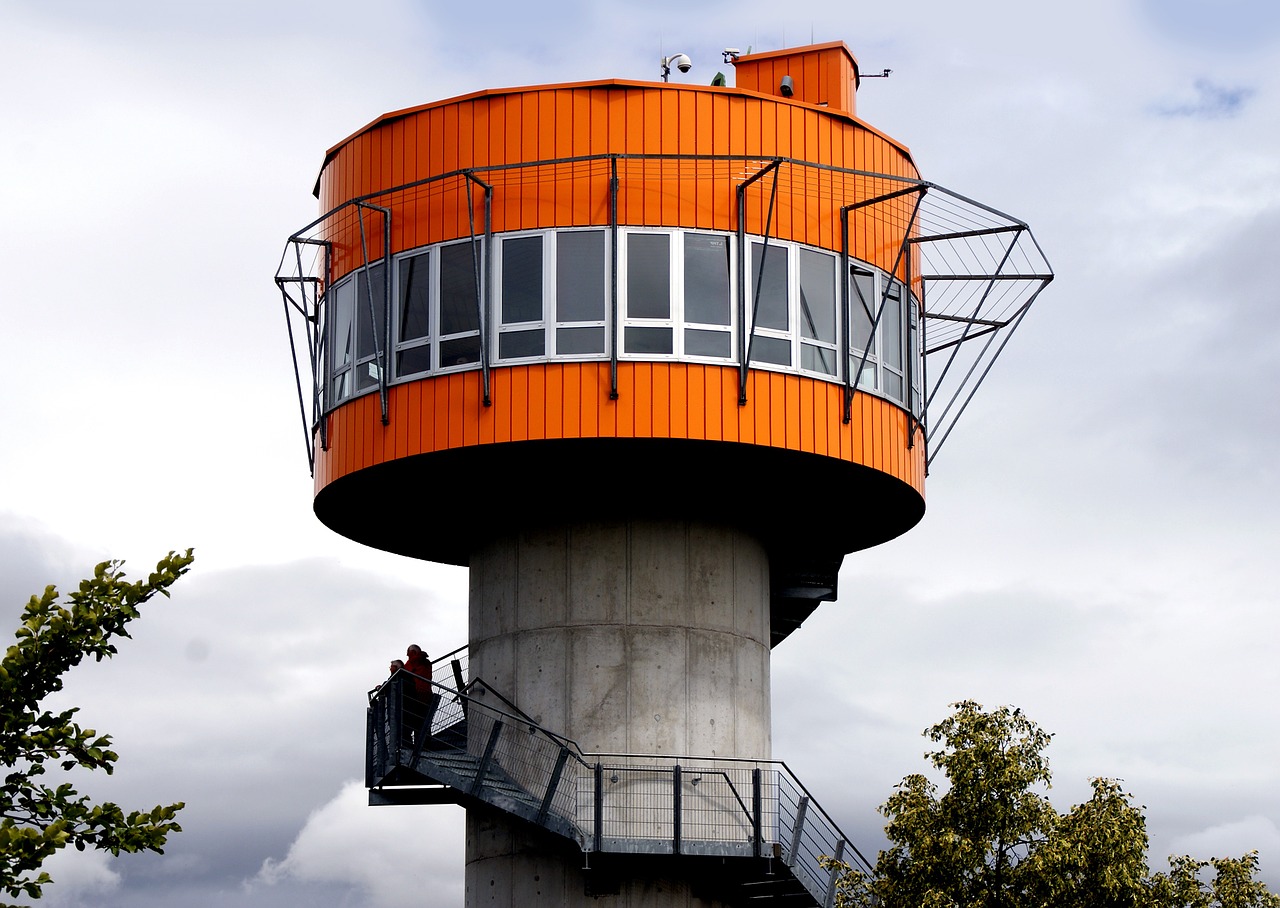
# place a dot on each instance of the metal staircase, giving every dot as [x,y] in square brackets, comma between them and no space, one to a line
[755,827]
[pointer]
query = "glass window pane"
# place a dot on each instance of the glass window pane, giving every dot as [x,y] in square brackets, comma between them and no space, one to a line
[649,276]
[413,360]
[706,279]
[769,288]
[522,280]
[818,296]
[460,351]
[458,296]
[341,386]
[707,343]
[367,375]
[893,385]
[862,303]
[891,326]
[648,340]
[771,350]
[818,359]
[581,289]
[343,310]
[868,377]
[514,344]
[415,296]
[578,341]
[368,316]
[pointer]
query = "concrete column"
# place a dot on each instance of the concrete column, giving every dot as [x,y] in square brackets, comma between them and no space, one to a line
[643,637]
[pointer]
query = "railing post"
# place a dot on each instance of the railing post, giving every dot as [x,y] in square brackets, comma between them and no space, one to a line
[801,809]
[371,744]
[837,858]
[395,716]
[553,784]
[487,758]
[757,802]
[599,806]
[675,809]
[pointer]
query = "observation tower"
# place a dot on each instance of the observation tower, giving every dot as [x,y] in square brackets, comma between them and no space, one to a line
[650,358]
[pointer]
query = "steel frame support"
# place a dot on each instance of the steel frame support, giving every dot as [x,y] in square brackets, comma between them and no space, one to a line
[851,386]
[837,859]
[481,263]
[745,341]
[379,344]
[487,758]
[676,804]
[614,328]
[797,828]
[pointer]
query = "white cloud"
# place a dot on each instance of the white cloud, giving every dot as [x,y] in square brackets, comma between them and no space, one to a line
[81,879]
[383,857]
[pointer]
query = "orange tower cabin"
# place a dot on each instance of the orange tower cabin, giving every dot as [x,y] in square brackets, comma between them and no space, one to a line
[650,358]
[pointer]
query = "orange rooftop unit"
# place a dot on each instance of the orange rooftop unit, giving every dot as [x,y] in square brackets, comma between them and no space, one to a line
[650,359]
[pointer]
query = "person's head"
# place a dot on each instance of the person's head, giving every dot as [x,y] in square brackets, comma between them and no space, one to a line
[396,665]
[413,651]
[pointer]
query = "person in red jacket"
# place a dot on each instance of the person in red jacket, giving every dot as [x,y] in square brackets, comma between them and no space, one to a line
[419,698]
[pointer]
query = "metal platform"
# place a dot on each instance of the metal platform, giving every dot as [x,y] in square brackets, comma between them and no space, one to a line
[755,828]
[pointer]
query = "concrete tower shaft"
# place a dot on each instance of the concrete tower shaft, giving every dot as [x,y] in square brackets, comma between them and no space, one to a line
[638,637]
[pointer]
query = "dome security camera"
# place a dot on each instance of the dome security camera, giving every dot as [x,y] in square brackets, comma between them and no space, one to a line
[681,62]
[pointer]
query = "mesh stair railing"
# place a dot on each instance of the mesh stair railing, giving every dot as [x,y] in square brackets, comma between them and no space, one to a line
[482,748]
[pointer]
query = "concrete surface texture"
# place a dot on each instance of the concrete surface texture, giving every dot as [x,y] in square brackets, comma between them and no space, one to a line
[640,637]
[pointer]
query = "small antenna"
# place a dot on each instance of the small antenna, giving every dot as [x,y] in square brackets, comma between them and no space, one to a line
[883,75]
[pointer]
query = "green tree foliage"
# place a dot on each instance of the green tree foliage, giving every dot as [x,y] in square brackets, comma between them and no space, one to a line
[37,817]
[993,840]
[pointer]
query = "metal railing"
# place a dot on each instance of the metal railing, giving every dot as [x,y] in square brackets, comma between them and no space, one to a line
[477,743]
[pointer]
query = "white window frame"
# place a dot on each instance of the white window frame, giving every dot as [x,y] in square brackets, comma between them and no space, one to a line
[678,298]
[787,334]
[543,323]
[400,345]
[674,295]
[438,338]
[833,347]
[341,372]
[550,270]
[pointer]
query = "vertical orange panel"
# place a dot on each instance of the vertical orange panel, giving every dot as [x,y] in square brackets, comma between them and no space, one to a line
[696,394]
[380,435]
[368,435]
[522,145]
[663,398]
[423,414]
[450,128]
[471,407]
[537,402]
[487,417]
[762,399]
[571,418]
[589,390]
[723,396]
[807,432]
[438,400]
[626,402]
[644,393]
[501,408]
[608,409]
[786,406]
[554,409]
[519,403]
[457,408]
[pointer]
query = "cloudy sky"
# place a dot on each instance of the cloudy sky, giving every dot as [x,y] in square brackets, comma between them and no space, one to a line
[1101,540]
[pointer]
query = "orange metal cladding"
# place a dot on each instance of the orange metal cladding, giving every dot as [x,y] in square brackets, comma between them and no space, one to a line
[569,400]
